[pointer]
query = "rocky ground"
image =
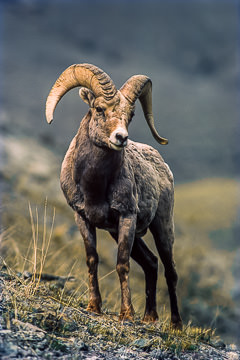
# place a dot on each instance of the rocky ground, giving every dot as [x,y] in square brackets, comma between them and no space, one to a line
[35,323]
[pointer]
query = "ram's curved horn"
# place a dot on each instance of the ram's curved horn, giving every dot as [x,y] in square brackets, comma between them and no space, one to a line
[140,87]
[86,75]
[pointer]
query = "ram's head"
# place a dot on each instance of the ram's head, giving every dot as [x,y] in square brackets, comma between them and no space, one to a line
[111,109]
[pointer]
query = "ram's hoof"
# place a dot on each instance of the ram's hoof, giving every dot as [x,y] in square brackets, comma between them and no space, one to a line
[177,325]
[127,315]
[152,316]
[94,308]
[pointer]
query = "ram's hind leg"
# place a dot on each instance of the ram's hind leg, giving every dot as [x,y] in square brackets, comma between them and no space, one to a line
[149,263]
[162,230]
[89,236]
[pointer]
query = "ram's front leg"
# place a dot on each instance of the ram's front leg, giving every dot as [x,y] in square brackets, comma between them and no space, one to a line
[88,233]
[126,235]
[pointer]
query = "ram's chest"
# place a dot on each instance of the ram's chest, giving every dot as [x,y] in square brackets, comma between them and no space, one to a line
[95,202]
[101,216]
[103,209]
[98,212]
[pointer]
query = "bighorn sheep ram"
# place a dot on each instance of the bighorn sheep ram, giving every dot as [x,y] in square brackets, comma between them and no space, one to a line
[118,185]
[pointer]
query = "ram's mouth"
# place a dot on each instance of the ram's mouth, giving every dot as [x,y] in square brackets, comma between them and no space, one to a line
[116,146]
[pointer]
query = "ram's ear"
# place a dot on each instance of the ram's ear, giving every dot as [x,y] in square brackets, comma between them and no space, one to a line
[87,96]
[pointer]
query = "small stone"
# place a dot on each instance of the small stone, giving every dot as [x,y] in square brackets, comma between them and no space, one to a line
[81,346]
[142,344]
[157,354]
[5,331]
[27,326]
[231,347]
[219,344]
[232,356]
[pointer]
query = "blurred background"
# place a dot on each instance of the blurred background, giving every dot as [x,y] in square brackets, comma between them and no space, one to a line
[190,50]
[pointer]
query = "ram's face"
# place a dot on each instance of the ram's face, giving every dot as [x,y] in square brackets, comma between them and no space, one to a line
[109,121]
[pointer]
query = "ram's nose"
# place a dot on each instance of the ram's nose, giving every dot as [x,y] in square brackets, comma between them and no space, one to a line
[122,138]
[118,138]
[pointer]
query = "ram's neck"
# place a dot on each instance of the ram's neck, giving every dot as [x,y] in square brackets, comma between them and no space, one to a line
[95,167]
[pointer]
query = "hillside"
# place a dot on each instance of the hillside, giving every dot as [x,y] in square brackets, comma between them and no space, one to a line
[41,320]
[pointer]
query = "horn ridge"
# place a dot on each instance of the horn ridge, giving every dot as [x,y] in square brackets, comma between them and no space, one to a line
[140,87]
[107,86]
[85,75]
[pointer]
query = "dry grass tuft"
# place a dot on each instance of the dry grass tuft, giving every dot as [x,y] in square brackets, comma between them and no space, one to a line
[61,314]
[59,308]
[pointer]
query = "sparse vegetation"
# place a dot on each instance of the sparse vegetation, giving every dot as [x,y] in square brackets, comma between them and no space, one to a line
[60,315]
[58,308]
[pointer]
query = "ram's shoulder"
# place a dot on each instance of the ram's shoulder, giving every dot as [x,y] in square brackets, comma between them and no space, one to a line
[143,150]
[138,153]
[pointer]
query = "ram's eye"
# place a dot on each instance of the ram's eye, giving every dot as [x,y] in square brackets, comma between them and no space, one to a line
[99,109]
